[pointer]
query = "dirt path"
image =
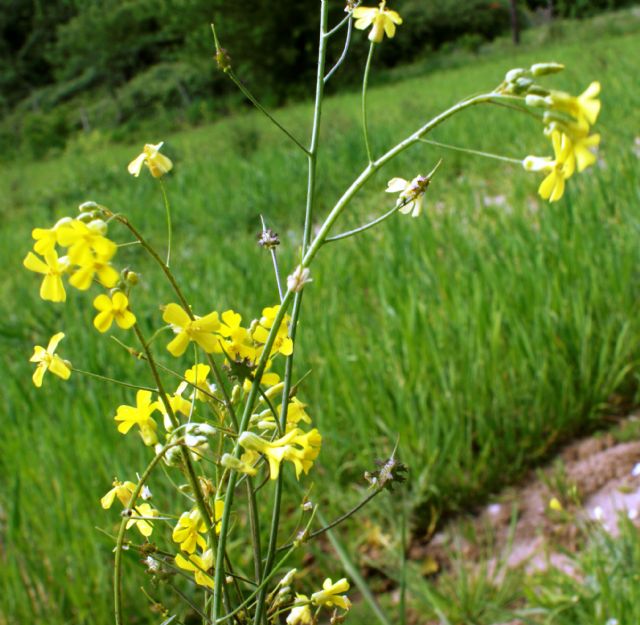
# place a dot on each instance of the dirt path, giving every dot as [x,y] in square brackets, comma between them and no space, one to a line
[593,480]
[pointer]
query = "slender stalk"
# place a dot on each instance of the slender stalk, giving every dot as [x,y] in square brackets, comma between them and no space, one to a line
[455,148]
[311,182]
[365,84]
[339,520]
[308,257]
[238,83]
[167,208]
[113,380]
[254,522]
[340,24]
[274,260]
[353,572]
[365,227]
[183,301]
[191,475]
[343,56]
[117,570]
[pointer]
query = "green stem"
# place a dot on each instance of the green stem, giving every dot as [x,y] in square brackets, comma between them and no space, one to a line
[167,208]
[117,570]
[371,224]
[254,522]
[252,99]
[311,182]
[107,379]
[343,56]
[183,301]
[365,84]
[191,475]
[339,520]
[455,148]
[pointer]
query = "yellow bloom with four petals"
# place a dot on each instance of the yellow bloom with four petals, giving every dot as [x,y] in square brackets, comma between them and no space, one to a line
[121,490]
[48,360]
[559,169]
[144,525]
[115,308]
[150,156]
[187,531]
[139,415]
[329,595]
[202,566]
[200,330]
[52,288]
[382,19]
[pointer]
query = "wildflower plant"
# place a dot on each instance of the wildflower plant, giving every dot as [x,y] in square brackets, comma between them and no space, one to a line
[232,429]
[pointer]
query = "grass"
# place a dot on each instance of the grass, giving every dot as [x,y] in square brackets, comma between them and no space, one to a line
[483,334]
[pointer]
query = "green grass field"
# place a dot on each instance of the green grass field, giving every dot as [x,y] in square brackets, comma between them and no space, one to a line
[483,334]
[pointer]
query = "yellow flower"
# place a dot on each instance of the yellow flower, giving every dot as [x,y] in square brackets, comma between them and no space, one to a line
[584,107]
[283,343]
[178,404]
[139,415]
[91,266]
[555,505]
[202,566]
[238,344]
[49,361]
[295,446]
[115,308]
[157,163]
[196,376]
[201,330]
[144,526]
[560,168]
[46,238]
[301,612]
[582,143]
[243,465]
[121,490]
[383,20]
[83,239]
[187,531]
[52,288]
[329,596]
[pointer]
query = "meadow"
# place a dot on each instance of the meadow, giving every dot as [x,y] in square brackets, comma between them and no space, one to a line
[483,334]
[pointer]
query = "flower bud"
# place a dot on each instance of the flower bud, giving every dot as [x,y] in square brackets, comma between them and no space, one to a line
[535,101]
[131,277]
[542,69]
[513,74]
[99,226]
[297,280]
[88,206]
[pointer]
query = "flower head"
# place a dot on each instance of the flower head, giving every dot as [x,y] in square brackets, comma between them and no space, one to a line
[187,531]
[329,595]
[196,377]
[48,360]
[283,343]
[296,446]
[121,490]
[300,277]
[145,527]
[382,19]
[559,169]
[200,330]
[139,415]
[150,156]
[584,107]
[52,288]
[201,565]
[115,308]
[91,266]
[301,612]
[83,240]
[238,342]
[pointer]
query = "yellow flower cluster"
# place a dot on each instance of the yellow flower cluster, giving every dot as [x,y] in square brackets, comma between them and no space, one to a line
[383,21]
[226,336]
[568,121]
[328,597]
[88,256]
